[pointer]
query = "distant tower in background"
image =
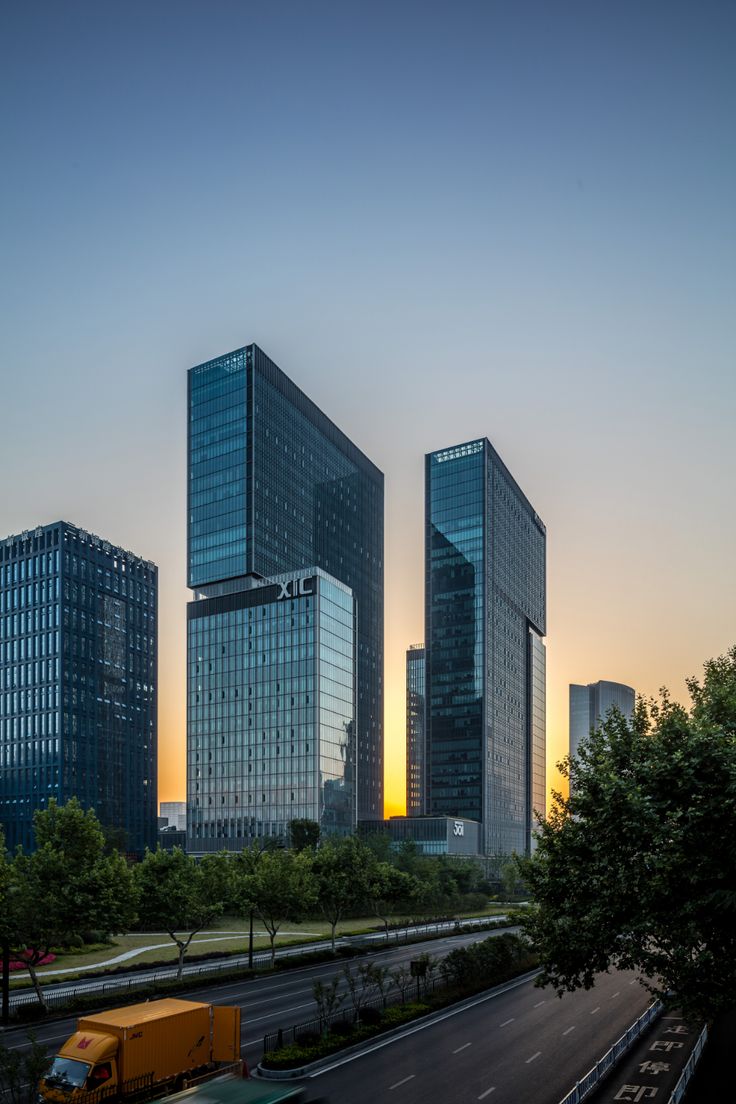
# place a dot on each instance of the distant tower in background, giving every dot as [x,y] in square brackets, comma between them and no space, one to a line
[78,681]
[175,812]
[415,731]
[485,619]
[590,704]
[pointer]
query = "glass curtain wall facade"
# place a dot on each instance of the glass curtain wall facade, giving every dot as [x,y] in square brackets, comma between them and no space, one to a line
[78,678]
[271,710]
[275,486]
[589,705]
[415,730]
[484,593]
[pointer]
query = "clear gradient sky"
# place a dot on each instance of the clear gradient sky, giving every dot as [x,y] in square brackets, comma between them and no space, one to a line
[443,221]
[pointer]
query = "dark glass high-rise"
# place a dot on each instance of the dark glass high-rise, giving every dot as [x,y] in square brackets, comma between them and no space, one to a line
[78,678]
[485,618]
[275,487]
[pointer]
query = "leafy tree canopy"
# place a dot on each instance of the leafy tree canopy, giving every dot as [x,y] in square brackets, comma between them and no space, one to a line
[637,868]
[303,833]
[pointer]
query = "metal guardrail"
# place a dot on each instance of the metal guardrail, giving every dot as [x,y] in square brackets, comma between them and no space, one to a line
[611,1057]
[212,969]
[679,1090]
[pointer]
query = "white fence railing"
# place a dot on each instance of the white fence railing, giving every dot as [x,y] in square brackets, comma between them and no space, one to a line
[679,1090]
[611,1057]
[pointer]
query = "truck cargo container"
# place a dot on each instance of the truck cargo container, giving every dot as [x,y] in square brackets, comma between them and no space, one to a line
[142,1051]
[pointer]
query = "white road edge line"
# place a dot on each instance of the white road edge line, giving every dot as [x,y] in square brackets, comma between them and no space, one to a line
[463,1047]
[532,1057]
[487,1092]
[422,1027]
[399,1083]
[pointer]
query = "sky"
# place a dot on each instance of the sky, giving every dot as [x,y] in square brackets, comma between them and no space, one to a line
[443,221]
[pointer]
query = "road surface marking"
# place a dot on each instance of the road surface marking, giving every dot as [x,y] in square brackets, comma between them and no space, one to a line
[434,1019]
[615,995]
[487,1092]
[463,1047]
[569,1030]
[533,1057]
[633,982]
[507,1022]
[595,1010]
[539,1004]
[399,1083]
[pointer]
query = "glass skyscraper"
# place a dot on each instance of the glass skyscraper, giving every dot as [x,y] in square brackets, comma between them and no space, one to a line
[415,731]
[589,705]
[78,681]
[271,710]
[275,487]
[485,617]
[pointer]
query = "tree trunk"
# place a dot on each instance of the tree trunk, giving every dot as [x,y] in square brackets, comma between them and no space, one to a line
[6,983]
[272,937]
[182,952]
[333,924]
[37,986]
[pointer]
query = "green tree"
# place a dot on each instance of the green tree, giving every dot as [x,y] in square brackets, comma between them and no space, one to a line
[281,888]
[303,833]
[179,895]
[637,868]
[388,890]
[68,885]
[5,925]
[342,868]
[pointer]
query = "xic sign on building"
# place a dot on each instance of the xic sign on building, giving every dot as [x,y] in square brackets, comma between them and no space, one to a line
[295,588]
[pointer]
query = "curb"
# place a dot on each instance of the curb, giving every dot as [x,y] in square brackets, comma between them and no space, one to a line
[385,1037]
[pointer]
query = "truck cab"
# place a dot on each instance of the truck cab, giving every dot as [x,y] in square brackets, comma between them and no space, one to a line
[86,1064]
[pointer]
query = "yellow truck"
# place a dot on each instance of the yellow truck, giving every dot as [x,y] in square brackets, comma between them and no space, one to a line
[142,1051]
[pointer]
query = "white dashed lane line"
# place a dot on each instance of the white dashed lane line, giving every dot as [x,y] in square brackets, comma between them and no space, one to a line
[487,1092]
[463,1047]
[595,1010]
[569,1030]
[400,1083]
[614,995]
[539,1004]
[507,1022]
[533,1057]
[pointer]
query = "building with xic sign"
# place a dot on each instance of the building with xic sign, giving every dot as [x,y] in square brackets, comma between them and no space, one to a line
[275,489]
[271,709]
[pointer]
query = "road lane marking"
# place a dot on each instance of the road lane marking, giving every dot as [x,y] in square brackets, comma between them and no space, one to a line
[615,995]
[633,982]
[569,1030]
[463,1047]
[507,1022]
[595,1010]
[533,1057]
[399,1083]
[539,1004]
[487,1092]
[464,1007]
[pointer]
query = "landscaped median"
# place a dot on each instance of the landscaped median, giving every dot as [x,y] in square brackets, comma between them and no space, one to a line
[431,986]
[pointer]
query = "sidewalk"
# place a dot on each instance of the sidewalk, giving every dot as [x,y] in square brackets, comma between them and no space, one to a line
[651,1069]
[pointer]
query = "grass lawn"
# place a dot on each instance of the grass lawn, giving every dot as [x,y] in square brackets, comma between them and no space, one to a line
[226,934]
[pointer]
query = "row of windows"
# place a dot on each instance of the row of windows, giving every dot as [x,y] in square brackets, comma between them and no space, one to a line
[45,563]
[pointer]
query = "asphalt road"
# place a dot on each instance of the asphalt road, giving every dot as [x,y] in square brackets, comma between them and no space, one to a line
[267,1002]
[524,1046]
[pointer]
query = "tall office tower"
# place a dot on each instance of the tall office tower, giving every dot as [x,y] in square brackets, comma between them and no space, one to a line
[485,656]
[271,710]
[415,731]
[590,704]
[276,488]
[78,680]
